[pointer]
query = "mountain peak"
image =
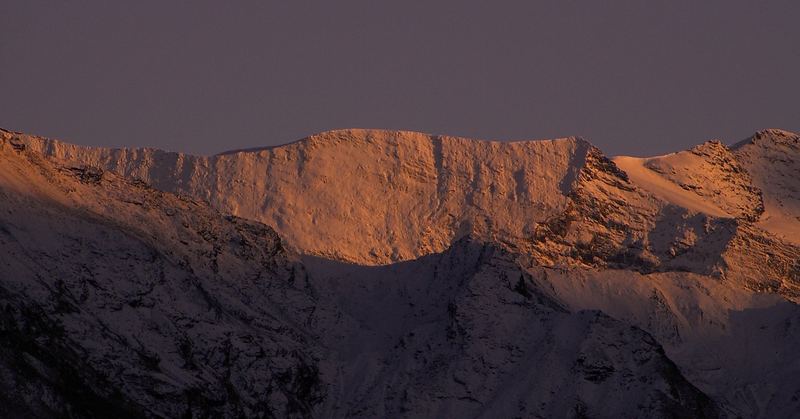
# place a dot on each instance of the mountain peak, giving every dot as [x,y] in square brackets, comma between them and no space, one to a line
[710,147]
[768,136]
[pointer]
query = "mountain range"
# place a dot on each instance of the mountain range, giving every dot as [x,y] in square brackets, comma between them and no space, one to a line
[373,273]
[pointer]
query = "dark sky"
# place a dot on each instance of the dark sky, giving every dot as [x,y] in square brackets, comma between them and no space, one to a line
[633,77]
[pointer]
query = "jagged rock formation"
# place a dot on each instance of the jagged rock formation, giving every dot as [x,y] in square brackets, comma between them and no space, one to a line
[530,279]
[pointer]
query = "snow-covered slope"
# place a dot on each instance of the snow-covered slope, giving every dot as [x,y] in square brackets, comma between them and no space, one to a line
[751,189]
[468,333]
[772,158]
[736,345]
[707,178]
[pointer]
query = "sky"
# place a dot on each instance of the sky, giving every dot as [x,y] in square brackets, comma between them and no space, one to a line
[632,77]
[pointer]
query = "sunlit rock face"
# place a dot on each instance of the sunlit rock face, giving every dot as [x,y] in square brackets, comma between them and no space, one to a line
[366,196]
[375,197]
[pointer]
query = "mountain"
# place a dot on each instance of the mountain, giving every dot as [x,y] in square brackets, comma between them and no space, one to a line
[122,300]
[407,275]
[370,197]
[375,197]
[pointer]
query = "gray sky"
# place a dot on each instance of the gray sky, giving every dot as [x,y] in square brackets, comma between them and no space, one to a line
[633,77]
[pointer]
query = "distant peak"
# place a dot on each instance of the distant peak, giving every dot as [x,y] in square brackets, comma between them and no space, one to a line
[771,135]
[775,132]
[711,147]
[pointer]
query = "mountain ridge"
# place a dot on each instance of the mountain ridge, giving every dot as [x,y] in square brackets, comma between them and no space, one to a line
[197,176]
[377,197]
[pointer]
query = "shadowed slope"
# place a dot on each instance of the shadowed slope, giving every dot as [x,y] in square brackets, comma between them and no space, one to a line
[467,333]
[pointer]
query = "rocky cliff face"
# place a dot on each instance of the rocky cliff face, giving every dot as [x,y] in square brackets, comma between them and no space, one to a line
[364,196]
[410,275]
